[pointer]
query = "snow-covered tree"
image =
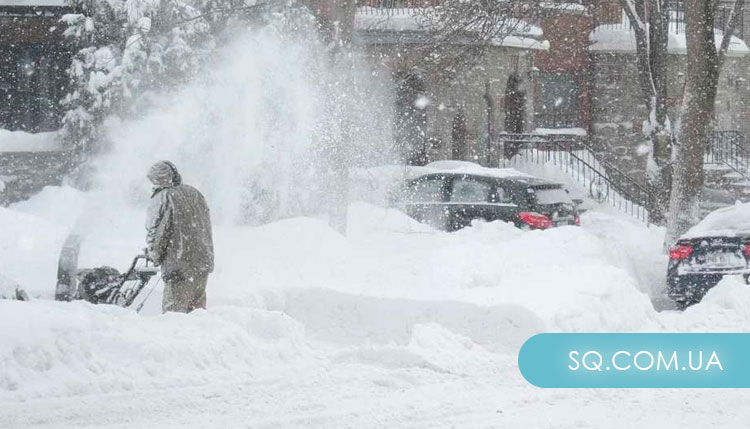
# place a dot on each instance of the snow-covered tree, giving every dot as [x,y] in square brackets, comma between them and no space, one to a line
[124,49]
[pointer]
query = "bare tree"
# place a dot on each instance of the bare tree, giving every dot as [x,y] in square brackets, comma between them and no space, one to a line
[650,22]
[474,25]
[705,60]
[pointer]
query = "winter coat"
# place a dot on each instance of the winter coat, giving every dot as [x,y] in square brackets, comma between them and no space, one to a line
[179,226]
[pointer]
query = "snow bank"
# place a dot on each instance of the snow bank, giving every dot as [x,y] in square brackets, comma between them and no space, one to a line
[61,205]
[20,141]
[561,131]
[53,349]
[365,320]
[725,308]
[386,254]
[430,346]
[29,249]
[8,288]
[393,295]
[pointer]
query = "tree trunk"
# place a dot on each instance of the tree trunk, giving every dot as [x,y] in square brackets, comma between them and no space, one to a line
[696,120]
[459,136]
[660,129]
[649,19]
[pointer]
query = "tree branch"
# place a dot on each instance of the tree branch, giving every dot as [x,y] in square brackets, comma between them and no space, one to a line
[642,47]
[731,23]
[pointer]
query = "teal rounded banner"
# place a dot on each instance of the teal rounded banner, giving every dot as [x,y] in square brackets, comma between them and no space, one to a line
[636,360]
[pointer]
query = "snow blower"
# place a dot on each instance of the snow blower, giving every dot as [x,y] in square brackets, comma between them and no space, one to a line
[102,285]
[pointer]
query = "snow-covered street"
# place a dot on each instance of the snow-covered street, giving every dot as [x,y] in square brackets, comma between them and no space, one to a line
[394,325]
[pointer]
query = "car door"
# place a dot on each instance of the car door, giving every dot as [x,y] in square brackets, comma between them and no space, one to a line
[470,198]
[426,199]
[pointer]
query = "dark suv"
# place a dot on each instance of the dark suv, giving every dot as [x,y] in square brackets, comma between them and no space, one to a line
[450,201]
[718,246]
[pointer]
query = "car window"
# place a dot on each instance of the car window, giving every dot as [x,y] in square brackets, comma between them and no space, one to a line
[426,190]
[470,191]
[503,196]
[552,196]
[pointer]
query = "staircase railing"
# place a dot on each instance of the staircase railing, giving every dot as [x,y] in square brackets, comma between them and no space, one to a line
[605,182]
[728,148]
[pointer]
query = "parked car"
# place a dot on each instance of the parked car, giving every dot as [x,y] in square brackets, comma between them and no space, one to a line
[452,200]
[717,246]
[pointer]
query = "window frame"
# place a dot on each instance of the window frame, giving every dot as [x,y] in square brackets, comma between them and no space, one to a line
[467,178]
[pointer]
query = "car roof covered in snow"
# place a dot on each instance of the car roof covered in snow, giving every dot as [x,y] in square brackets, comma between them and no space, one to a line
[470,168]
[725,222]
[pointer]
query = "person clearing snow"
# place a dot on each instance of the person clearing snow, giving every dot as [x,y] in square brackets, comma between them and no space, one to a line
[179,238]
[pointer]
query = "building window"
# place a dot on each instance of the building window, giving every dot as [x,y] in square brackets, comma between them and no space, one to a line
[558,101]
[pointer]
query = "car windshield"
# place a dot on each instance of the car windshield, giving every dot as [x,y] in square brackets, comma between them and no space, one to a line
[552,196]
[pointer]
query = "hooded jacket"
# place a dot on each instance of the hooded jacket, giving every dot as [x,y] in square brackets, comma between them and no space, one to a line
[178,225]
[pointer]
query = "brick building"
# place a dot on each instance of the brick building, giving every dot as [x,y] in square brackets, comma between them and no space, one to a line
[563,86]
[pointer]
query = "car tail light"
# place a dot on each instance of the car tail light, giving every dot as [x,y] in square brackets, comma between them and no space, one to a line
[577,220]
[681,251]
[535,220]
[746,250]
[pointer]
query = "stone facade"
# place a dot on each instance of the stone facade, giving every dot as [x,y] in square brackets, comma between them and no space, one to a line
[469,103]
[618,110]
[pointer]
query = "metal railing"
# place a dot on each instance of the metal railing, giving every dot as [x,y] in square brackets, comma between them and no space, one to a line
[393,7]
[677,19]
[728,148]
[557,120]
[605,183]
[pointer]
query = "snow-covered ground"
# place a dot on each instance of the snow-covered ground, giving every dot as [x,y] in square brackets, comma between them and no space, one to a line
[393,325]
